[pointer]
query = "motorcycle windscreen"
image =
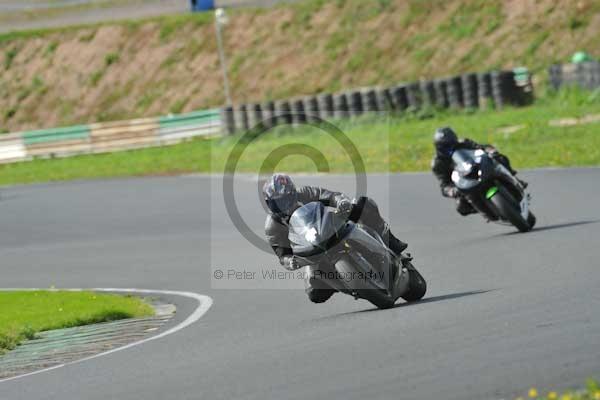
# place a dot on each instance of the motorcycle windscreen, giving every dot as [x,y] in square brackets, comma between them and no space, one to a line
[312,226]
[466,168]
[463,161]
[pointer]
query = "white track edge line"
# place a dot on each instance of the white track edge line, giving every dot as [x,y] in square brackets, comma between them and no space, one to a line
[204,304]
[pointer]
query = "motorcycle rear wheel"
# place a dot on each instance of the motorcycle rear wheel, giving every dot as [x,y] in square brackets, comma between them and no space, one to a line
[417,286]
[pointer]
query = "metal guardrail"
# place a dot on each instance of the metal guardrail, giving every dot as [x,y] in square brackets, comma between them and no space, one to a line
[108,136]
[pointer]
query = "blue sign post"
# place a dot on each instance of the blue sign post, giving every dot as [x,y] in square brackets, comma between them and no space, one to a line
[202,5]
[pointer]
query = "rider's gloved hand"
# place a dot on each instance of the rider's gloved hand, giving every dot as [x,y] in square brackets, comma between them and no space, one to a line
[290,263]
[451,191]
[344,206]
[491,150]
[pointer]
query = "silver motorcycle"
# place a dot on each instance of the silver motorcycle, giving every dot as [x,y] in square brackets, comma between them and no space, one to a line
[351,258]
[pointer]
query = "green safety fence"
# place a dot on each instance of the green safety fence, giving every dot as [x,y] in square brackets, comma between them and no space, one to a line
[56,134]
[197,117]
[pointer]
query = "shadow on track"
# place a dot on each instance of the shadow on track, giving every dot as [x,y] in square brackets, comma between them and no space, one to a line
[426,300]
[434,299]
[566,225]
[556,226]
[536,229]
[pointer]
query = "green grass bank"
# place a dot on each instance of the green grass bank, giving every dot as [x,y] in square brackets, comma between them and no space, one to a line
[24,313]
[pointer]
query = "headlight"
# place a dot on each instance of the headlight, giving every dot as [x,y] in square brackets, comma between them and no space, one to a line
[311,235]
[466,168]
[455,176]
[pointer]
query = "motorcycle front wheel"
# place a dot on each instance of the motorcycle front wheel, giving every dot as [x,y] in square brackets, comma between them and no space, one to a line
[364,288]
[509,208]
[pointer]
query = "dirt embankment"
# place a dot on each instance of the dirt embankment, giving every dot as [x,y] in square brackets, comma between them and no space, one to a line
[170,64]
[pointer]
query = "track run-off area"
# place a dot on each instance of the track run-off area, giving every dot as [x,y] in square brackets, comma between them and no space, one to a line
[504,311]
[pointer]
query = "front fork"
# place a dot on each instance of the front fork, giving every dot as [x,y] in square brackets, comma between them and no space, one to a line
[525,205]
[505,173]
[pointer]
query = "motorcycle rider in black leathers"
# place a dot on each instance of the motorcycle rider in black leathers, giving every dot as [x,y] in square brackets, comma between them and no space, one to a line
[282,198]
[446,141]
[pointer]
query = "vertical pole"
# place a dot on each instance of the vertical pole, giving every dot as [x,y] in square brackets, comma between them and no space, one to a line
[223,61]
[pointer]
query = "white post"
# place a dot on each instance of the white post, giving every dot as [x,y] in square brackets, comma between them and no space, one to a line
[220,20]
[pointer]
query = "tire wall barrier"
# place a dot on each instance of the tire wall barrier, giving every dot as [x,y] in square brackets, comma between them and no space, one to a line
[283,110]
[503,88]
[311,107]
[369,100]
[400,98]
[355,106]
[484,86]
[441,93]
[340,106]
[585,75]
[298,114]
[326,107]
[268,110]
[428,93]
[455,95]
[472,90]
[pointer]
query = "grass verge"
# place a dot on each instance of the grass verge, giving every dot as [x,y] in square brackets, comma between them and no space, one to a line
[26,313]
[386,144]
[591,392]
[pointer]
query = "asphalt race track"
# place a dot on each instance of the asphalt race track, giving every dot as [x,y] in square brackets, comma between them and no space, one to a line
[61,15]
[503,312]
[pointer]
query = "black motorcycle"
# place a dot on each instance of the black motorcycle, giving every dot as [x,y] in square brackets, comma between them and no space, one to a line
[352,258]
[492,189]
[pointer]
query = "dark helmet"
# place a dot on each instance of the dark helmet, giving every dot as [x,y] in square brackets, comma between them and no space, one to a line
[280,195]
[445,141]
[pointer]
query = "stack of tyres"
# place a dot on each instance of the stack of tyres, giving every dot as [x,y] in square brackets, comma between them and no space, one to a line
[340,106]
[369,100]
[596,76]
[555,73]
[503,88]
[228,120]
[469,91]
[326,105]
[590,75]
[400,97]
[268,110]
[283,111]
[523,87]
[428,93]
[484,90]
[311,108]
[385,101]
[254,116]
[441,93]
[580,75]
[241,118]
[298,112]
[355,106]
[454,88]
[413,94]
